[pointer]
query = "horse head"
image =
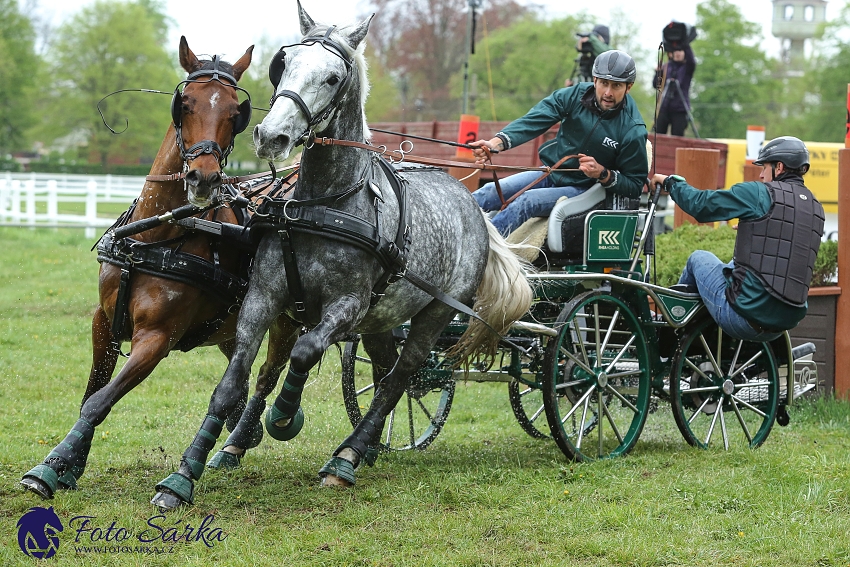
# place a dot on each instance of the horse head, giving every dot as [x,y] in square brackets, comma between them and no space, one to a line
[313,81]
[207,116]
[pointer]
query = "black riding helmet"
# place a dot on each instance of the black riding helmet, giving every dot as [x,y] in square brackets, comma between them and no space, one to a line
[786,149]
[615,65]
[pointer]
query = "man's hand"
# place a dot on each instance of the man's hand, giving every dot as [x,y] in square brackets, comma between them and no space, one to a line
[590,167]
[482,155]
[659,179]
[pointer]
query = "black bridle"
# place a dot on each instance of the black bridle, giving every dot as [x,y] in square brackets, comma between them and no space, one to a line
[278,64]
[208,146]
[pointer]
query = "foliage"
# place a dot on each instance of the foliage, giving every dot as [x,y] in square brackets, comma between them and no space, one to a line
[483,494]
[673,248]
[733,85]
[18,73]
[529,60]
[422,44]
[105,47]
[826,264]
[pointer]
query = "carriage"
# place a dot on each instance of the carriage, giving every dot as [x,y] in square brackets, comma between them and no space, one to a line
[599,348]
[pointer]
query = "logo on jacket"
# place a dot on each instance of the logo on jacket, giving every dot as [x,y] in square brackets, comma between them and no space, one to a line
[38,531]
[610,143]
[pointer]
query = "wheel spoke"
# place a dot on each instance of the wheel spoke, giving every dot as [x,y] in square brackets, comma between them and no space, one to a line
[746,365]
[577,404]
[620,354]
[425,411]
[581,346]
[570,384]
[697,369]
[600,404]
[723,429]
[611,421]
[390,424]
[365,389]
[717,412]
[623,399]
[582,365]
[610,330]
[741,420]
[749,406]
[699,410]
[581,422]
[710,355]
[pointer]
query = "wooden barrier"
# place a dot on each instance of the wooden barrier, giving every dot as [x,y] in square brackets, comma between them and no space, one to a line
[699,167]
[752,172]
[842,312]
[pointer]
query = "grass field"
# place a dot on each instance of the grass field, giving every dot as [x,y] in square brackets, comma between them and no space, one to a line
[484,493]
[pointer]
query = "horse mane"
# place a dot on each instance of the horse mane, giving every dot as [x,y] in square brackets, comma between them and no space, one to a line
[356,55]
[207,64]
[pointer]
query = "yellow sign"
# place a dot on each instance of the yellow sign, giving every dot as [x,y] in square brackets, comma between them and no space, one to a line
[822,178]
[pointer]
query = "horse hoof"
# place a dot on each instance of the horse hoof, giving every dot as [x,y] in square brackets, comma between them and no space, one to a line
[337,472]
[287,432]
[165,500]
[224,460]
[173,491]
[42,480]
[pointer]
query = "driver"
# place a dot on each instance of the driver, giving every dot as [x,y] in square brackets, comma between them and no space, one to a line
[599,123]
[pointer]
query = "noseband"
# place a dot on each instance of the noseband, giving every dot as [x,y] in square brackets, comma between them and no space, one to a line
[278,64]
[208,146]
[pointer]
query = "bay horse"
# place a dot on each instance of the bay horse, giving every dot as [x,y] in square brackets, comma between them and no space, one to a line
[160,310]
[424,226]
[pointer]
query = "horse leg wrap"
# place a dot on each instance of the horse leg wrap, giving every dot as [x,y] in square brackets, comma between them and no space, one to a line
[360,439]
[196,455]
[338,467]
[287,405]
[289,399]
[177,484]
[57,469]
[247,434]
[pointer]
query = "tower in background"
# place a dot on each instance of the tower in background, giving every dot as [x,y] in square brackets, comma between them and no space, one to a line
[795,21]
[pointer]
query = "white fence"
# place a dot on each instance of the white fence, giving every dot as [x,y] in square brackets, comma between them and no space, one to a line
[37,199]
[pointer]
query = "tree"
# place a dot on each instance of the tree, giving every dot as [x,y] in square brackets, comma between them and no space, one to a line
[18,73]
[422,44]
[106,47]
[733,85]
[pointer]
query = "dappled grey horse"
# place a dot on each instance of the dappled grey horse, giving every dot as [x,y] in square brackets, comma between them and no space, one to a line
[343,253]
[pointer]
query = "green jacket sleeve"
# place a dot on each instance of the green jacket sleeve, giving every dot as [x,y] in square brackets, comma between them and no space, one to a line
[540,118]
[746,201]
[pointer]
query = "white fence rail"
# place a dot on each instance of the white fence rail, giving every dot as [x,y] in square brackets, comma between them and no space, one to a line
[36,199]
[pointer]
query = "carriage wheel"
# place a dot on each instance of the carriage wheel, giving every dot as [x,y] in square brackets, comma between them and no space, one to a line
[527,405]
[596,380]
[420,414]
[723,389]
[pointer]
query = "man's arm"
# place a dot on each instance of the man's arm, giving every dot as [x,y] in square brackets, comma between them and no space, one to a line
[746,201]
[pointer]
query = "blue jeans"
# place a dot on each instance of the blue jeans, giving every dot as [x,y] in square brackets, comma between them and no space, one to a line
[536,202]
[705,270]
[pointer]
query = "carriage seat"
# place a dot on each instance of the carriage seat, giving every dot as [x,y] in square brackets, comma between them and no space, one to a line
[571,211]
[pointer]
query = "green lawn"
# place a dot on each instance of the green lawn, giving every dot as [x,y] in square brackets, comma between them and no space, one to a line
[484,493]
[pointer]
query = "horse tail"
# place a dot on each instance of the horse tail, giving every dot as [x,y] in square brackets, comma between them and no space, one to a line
[503,296]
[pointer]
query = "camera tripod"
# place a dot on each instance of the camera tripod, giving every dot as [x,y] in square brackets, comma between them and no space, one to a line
[678,91]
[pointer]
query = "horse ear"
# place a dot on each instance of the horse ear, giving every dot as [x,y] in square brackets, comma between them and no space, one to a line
[240,66]
[307,22]
[187,59]
[355,37]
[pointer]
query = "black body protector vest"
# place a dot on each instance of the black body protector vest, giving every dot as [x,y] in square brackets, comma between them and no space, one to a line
[780,248]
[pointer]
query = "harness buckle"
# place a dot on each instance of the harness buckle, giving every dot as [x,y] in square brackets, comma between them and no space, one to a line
[299,307]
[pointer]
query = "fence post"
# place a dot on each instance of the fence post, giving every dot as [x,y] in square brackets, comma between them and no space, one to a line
[699,167]
[29,185]
[16,201]
[91,208]
[52,200]
[842,308]
[4,199]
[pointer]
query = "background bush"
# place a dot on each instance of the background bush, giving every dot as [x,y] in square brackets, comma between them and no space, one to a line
[673,248]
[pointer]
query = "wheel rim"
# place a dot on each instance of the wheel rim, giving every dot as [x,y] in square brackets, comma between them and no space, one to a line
[420,414]
[596,378]
[724,391]
[529,410]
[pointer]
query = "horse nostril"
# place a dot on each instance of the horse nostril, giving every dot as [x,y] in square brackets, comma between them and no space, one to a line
[282,141]
[215,179]
[193,177]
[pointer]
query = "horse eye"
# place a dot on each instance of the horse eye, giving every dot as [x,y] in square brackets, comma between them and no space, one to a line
[333,80]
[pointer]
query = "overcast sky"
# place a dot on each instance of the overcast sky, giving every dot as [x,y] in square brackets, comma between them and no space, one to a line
[228,27]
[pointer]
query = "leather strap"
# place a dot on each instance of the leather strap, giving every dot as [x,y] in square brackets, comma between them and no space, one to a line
[533,183]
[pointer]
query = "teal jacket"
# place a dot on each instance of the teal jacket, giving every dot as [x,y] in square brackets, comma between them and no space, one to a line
[615,138]
[745,201]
